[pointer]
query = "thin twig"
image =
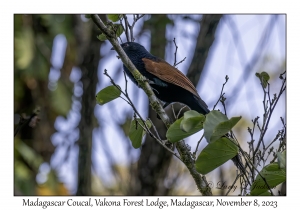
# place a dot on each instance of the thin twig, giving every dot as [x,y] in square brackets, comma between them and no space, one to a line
[180,111]
[194,153]
[158,140]
[126,28]
[268,117]
[154,128]
[144,126]
[243,153]
[222,94]
[172,107]
[180,62]
[236,178]
[175,55]
[27,120]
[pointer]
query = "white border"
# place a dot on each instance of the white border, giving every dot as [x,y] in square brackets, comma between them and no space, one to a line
[8,201]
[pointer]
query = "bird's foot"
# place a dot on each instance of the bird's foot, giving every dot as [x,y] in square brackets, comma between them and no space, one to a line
[168,144]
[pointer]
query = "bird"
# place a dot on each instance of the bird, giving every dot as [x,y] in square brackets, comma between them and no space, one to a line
[168,83]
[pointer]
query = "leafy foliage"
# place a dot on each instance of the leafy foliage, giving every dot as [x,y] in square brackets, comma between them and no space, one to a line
[114,17]
[281,156]
[215,154]
[117,28]
[101,37]
[213,118]
[264,78]
[136,132]
[192,122]
[223,128]
[108,94]
[273,176]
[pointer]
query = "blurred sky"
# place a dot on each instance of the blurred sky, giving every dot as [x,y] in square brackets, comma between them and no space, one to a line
[238,39]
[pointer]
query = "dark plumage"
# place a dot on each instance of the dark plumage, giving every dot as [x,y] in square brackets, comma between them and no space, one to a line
[169,84]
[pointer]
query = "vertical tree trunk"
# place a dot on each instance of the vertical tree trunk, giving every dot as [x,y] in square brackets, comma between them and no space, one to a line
[205,39]
[89,50]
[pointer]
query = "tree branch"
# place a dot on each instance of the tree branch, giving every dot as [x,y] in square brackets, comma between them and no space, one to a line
[155,104]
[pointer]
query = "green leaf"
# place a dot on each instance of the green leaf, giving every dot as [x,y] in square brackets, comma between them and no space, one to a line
[263,77]
[213,119]
[282,159]
[190,114]
[272,174]
[125,126]
[191,119]
[114,18]
[175,133]
[136,132]
[107,94]
[215,154]
[224,127]
[88,16]
[102,37]
[119,29]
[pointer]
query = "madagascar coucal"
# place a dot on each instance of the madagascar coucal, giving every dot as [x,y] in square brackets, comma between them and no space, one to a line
[168,83]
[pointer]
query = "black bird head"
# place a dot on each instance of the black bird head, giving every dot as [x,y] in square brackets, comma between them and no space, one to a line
[133,49]
[132,46]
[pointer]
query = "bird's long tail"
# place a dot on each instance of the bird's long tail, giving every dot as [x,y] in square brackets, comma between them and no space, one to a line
[239,164]
[197,104]
[237,160]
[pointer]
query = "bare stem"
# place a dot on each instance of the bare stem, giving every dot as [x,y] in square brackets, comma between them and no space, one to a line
[222,94]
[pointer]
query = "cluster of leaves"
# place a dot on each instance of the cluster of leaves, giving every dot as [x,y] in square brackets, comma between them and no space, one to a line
[270,176]
[116,27]
[274,173]
[220,148]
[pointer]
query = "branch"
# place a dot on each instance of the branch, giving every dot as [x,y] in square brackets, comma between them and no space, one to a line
[222,94]
[185,154]
[155,104]
[194,154]
[27,120]
[142,82]
[268,114]
[175,54]
[144,126]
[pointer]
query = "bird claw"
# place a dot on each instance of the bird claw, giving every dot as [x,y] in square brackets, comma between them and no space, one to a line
[168,144]
[158,117]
